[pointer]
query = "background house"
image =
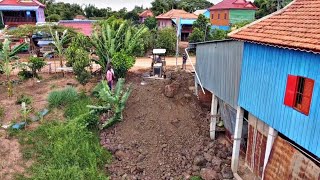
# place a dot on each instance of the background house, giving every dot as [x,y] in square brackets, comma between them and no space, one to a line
[280,87]
[18,12]
[185,21]
[204,12]
[228,12]
[144,15]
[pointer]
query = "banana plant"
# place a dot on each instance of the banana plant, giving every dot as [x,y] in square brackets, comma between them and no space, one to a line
[112,37]
[114,101]
[6,58]
[59,42]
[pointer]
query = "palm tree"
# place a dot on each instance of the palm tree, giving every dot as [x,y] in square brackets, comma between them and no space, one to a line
[6,57]
[113,37]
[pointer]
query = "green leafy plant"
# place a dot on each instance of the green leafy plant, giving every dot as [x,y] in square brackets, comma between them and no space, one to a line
[25,111]
[24,98]
[6,57]
[122,63]
[59,42]
[25,74]
[2,113]
[65,150]
[113,101]
[36,64]
[167,39]
[80,63]
[112,36]
[62,97]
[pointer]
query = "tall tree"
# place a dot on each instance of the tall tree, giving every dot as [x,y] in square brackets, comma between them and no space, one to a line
[192,5]
[267,7]
[162,6]
[203,29]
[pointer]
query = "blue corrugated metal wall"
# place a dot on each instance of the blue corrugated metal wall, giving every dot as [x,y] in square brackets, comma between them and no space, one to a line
[262,88]
[219,68]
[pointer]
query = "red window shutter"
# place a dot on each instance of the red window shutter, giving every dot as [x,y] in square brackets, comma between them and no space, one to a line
[307,96]
[291,89]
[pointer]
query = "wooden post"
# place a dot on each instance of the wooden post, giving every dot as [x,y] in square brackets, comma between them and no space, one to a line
[272,134]
[237,140]
[213,119]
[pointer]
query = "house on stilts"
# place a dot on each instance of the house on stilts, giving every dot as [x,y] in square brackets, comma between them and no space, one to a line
[265,85]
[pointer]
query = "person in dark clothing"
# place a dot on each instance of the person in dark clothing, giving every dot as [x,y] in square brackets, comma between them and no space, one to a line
[184,61]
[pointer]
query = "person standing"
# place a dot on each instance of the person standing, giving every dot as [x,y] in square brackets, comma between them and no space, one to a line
[109,77]
[184,61]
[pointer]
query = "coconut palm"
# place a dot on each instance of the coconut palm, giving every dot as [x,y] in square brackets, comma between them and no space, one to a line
[113,37]
[6,57]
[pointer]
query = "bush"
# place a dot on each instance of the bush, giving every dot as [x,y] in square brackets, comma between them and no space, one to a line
[24,74]
[2,113]
[196,36]
[24,98]
[36,64]
[167,39]
[122,63]
[62,97]
[65,151]
[81,62]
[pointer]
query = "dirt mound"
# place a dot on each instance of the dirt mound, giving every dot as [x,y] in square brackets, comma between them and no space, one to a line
[164,138]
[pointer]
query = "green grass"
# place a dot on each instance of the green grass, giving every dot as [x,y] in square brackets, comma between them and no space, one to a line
[62,97]
[77,108]
[65,150]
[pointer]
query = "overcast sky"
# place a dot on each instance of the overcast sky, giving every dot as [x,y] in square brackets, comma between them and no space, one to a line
[117,4]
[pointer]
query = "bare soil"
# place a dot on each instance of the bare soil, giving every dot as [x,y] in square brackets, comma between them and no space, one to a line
[165,138]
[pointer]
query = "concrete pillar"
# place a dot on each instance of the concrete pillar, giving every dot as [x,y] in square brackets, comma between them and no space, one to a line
[237,140]
[272,134]
[195,86]
[213,119]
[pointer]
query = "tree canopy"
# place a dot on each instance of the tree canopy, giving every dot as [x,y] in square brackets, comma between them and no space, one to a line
[267,7]
[192,5]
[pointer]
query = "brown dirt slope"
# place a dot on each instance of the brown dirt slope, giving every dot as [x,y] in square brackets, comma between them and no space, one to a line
[160,137]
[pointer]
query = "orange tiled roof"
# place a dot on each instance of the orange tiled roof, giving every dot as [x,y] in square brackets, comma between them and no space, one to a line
[146,13]
[21,3]
[177,13]
[295,26]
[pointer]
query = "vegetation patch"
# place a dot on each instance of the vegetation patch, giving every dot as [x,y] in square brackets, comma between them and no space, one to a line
[65,150]
[62,97]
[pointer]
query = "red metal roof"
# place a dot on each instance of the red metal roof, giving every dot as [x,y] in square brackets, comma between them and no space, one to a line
[296,26]
[234,4]
[83,26]
[146,13]
[21,3]
[177,13]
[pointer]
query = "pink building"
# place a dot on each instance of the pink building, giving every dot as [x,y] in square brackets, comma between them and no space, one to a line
[19,12]
[144,15]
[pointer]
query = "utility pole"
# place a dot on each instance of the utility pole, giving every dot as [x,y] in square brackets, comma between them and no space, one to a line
[177,44]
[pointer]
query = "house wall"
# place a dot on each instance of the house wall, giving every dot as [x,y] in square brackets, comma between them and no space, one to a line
[286,162]
[207,14]
[40,15]
[219,67]
[84,28]
[241,15]
[223,20]
[163,23]
[263,83]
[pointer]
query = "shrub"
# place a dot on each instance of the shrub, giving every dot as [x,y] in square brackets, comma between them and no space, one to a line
[167,39]
[2,113]
[24,98]
[80,63]
[25,74]
[196,36]
[122,63]
[36,64]
[62,97]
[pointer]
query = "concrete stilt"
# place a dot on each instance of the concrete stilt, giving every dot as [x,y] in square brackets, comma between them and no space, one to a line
[237,140]
[272,134]
[214,112]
